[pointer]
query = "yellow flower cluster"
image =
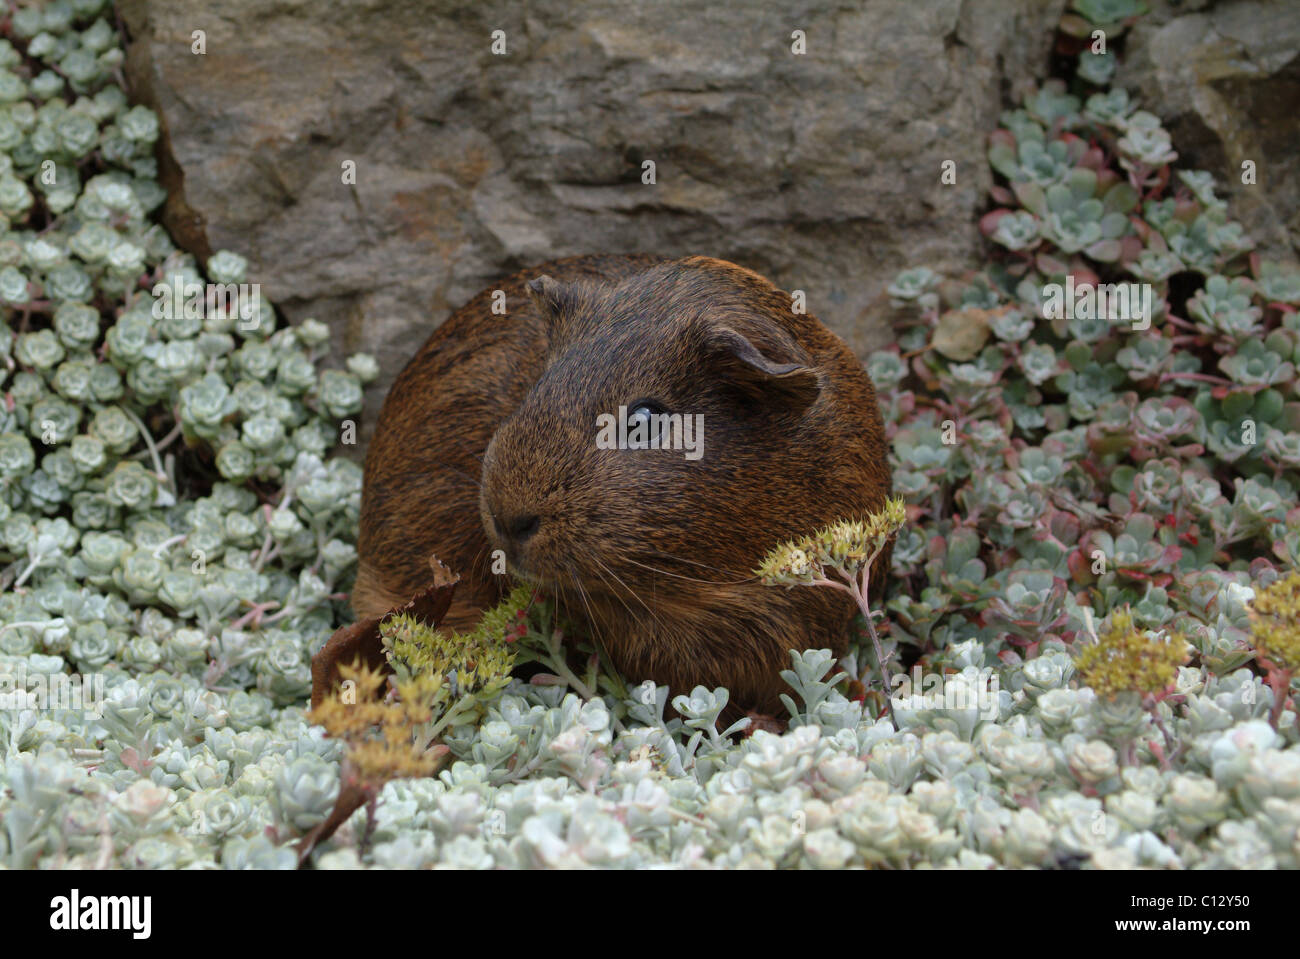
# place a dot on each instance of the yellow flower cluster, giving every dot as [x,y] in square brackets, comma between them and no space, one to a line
[786,565]
[848,545]
[438,674]
[456,664]
[1275,622]
[376,732]
[1126,659]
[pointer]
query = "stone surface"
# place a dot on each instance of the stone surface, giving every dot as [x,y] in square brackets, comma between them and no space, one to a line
[1225,78]
[821,171]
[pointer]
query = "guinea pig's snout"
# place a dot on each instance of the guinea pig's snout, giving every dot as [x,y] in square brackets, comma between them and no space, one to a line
[514,516]
[514,532]
[518,528]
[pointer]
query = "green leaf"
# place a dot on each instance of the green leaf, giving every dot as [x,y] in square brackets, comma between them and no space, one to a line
[1105,251]
[1121,198]
[1031,197]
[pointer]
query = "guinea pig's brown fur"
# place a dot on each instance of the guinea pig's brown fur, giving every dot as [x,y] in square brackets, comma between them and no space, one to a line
[487,441]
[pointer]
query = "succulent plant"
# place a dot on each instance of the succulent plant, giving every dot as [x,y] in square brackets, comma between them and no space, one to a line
[1256,364]
[1278,283]
[911,284]
[1077,216]
[1145,142]
[1105,12]
[1014,230]
[1096,68]
[1051,103]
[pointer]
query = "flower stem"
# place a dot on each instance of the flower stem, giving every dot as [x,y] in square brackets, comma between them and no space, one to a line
[858,590]
[148,441]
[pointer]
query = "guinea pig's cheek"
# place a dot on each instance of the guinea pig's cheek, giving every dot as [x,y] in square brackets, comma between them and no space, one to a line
[485,518]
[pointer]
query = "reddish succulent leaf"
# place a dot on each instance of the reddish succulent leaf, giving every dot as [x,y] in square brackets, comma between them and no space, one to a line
[132,760]
[1049,265]
[1093,158]
[1075,146]
[1002,138]
[1073,26]
[989,221]
[1131,249]
[1080,568]
[1009,657]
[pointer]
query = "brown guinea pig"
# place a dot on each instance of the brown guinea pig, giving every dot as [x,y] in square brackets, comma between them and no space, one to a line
[488,441]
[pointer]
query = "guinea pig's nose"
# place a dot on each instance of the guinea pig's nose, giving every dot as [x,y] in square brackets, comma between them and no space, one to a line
[517,528]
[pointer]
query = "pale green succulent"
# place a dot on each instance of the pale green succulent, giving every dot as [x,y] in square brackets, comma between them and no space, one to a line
[1109,108]
[1108,12]
[1278,283]
[1145,141]
[1017,231]
[1254,364]
[1051,103]
[911,284]
[1225,305]
[1097,68]
[1075,219]
[1033,161]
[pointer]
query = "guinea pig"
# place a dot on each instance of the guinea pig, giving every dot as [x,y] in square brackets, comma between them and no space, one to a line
[496,437]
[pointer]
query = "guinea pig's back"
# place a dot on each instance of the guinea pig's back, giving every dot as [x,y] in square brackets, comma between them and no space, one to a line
[420,491]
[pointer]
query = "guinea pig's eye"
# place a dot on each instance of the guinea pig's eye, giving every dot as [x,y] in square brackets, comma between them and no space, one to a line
[643,420]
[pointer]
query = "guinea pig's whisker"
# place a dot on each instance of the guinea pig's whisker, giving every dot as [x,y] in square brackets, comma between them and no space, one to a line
[478,484]
[615,594]
[682,559]
[480,556]
[694,562]
[582,594]
[635,595]
[663,572]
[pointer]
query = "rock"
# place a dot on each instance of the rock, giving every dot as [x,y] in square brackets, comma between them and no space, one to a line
[821,170]
[1225,79]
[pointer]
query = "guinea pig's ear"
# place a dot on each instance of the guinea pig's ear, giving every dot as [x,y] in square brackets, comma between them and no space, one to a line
[786,379]
[548,295]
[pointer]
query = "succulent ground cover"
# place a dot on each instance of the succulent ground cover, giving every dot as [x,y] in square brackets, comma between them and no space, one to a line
[1094,589]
